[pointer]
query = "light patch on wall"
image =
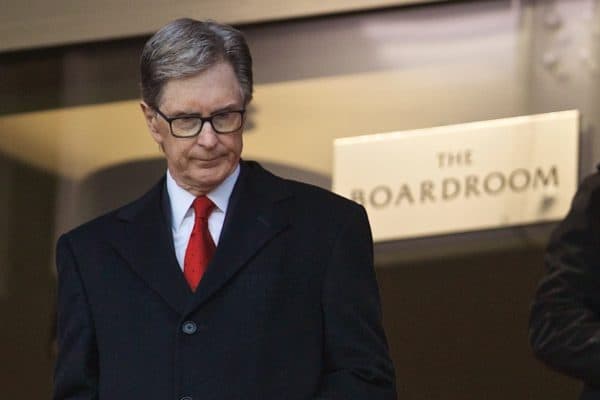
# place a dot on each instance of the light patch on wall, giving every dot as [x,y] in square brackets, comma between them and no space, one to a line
[293,123]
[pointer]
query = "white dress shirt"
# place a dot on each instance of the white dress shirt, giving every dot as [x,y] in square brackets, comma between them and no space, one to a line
[182,213]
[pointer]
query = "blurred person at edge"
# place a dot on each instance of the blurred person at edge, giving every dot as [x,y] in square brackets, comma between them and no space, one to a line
[564,326]
[224,281]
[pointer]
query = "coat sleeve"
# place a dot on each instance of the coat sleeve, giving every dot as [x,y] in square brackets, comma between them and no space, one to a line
[564,327]
[76,371]
[357,362]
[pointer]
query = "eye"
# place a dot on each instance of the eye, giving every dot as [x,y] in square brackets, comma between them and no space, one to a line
[224,117]
[185,123]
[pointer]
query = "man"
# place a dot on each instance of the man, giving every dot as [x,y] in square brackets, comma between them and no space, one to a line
[564,327]
[223,281]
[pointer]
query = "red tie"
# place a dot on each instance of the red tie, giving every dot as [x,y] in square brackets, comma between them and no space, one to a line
[201,247]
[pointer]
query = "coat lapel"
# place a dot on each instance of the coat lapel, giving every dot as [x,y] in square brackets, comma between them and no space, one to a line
[147,245]
[256,214]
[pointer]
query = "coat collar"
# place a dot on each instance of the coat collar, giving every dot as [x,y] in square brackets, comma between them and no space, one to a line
[146,243]
[256,213]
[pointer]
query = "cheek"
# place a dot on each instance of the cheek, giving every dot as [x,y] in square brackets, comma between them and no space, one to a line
[235,146]
[176,152]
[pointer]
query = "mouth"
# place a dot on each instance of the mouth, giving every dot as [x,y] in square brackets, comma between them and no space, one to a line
[207,161]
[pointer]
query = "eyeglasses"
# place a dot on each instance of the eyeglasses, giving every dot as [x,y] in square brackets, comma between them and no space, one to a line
[186,126]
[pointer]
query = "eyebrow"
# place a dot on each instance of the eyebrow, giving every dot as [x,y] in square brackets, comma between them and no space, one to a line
[229,107]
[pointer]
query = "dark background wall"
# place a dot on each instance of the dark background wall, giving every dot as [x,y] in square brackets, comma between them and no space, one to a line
[458,328]
[27,284]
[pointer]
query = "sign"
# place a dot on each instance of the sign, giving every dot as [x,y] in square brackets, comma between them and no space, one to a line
[461,178]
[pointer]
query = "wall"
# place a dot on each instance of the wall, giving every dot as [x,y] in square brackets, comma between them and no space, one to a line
[62,21]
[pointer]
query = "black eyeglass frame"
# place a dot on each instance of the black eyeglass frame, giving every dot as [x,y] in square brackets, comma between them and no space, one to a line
[202,119]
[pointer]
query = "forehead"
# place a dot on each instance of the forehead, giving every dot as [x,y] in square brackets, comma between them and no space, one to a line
[214,88]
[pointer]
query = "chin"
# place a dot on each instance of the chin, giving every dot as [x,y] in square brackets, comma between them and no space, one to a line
[210,178]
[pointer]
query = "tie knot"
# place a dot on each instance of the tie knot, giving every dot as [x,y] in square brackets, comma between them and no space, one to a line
[202,207]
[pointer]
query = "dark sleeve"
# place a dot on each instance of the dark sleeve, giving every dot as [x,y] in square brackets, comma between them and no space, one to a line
[358,365]
[564,327]
[76,371]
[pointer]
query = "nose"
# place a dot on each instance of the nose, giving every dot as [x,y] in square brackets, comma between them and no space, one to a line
[207,136]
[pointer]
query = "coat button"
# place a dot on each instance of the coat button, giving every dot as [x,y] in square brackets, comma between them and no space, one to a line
[189,328]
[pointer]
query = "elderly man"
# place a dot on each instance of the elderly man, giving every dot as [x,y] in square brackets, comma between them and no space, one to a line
[223,281]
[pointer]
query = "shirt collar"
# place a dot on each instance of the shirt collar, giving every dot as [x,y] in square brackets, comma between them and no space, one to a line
[181,200]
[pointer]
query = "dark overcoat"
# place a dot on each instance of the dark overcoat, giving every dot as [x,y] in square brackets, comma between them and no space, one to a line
[288,308]
[565,316]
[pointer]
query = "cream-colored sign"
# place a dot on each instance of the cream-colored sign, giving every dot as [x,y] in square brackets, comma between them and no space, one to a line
[461,178]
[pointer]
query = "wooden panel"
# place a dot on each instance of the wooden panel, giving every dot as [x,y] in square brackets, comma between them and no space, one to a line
[35,23]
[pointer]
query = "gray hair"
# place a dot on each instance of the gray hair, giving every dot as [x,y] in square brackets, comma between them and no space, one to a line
[186,47]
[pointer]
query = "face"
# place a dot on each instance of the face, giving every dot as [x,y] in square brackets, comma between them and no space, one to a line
[201,163]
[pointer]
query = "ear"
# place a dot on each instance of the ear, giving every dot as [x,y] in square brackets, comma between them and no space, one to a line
[151,121]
